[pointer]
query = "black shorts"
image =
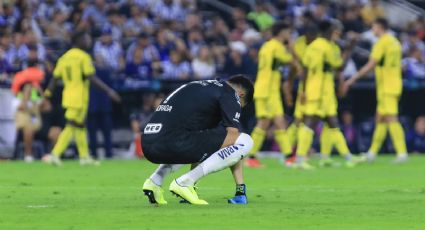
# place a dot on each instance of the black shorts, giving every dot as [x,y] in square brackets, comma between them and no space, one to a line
[183,147]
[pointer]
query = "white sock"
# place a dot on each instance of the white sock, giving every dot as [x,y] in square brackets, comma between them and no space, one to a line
[163,170]
[219,160]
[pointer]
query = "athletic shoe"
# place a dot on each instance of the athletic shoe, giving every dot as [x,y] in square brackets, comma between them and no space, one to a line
[253,163]
[52,160]
[326,162]
[304,165]
[238,200]
[290,161]
[187,193]
[368,157]
[89,161]
[154,192]
[28,159]
[400,159]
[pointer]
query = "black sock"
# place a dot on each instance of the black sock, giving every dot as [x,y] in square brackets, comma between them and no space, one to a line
[290,155]
[240,190]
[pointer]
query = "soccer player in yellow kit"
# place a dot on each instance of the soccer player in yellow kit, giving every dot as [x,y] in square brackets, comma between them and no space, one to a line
[76,70]
[386,59]
[322,57]
[267,96]
[300,45]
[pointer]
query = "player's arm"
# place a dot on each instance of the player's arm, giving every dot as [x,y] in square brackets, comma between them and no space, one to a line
[89,73]
[376,55]
[102,86]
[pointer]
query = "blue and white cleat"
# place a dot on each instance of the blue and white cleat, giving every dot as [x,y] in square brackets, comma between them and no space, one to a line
[238,200]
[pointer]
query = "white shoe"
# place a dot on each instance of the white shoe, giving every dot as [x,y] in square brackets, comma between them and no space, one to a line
[89,161]
[400,159]
[52,160]
[28,159]
[369,157]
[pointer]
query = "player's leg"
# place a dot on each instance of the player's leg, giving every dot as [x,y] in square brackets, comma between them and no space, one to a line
[380,132]
[234,148]
[262,113]
[281,136]
[258,135]
[65,137]
[325,147]
[305,140]
[80,131]
[337,139]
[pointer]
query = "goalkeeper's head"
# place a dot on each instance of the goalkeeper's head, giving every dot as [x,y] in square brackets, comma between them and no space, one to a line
[243,87]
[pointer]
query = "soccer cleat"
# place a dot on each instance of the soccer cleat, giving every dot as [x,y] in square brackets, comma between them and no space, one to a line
[304,165]
[290,161]
[89,161]
[350,163]
[400,159]
[368,157]
[241,199]
[253,163]
[187,193]
[326,162]
[28,159]
[52,160]
[154,192]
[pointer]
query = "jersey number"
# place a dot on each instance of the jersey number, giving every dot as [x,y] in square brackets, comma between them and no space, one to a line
[68,72]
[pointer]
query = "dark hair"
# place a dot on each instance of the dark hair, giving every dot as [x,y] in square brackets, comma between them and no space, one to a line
[245,83]
[279,26]
[382,22]
[77,37]
[325,27]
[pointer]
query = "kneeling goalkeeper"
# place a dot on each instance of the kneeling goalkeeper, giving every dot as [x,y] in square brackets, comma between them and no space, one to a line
[198,123]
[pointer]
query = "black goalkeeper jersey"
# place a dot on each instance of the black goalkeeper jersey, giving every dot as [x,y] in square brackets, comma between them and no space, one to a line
[198,105]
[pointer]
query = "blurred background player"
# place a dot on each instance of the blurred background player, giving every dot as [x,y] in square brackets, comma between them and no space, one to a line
[321,58]
[300,46]
[76,70]
[267,94]
[386,59]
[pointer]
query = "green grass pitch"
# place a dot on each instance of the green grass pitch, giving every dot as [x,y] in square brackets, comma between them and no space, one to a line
[378,196]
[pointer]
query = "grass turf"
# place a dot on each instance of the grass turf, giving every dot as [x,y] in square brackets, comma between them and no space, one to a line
[378,196]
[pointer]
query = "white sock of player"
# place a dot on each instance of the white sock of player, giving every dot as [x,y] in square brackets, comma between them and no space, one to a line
[163,170]
[219,160]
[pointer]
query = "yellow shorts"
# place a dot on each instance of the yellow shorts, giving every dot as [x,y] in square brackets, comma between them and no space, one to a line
[25,119]
[76,115]
[325,107]
[269,107]
[387,105]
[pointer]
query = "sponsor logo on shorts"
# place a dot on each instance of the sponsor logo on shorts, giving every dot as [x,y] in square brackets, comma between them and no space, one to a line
[164,108]
[226,152]
[152,128]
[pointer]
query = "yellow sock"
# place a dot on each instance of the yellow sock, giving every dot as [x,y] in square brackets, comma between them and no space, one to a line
[305,139]
[338,140]
[292,133]
[258,136]
[63,141]
[378,137]
[397,136]
[282,139]
[325,142]
[81,141]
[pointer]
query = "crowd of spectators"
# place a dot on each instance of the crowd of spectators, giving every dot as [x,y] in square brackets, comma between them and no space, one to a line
[182,39]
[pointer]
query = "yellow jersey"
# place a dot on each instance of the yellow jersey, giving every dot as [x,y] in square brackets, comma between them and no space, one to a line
[271,56]
[320,58]
[73,67]
[387,52]
[300,46]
